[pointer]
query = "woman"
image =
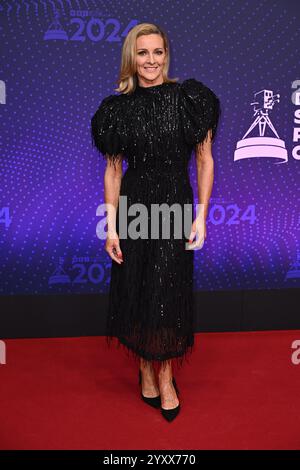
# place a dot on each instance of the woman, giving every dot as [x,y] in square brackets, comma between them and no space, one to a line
[154,124]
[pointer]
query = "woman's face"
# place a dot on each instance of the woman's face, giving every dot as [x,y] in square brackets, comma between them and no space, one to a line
[150,59]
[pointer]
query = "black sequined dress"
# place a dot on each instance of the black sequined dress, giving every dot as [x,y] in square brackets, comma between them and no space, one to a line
[151,305]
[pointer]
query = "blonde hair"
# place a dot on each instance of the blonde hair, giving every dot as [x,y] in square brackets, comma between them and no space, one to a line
[127,77]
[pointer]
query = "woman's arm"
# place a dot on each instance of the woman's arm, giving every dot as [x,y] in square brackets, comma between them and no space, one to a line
[205,178]
[205,174]
[112,183]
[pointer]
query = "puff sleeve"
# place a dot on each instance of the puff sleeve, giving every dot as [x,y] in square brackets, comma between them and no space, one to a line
[108,128]
[200,111]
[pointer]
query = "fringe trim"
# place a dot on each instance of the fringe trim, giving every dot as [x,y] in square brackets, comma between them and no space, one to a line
[108,128]
[201,112]
[108,143]
[178,359]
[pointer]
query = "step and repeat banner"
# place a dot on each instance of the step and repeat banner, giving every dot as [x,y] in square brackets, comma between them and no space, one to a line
[61,58]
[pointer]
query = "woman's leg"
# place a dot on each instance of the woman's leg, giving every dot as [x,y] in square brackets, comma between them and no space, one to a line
[150,388]
[168,393]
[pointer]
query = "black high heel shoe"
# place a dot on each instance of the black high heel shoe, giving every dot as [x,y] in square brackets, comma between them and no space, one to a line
[171,414]
[155,402]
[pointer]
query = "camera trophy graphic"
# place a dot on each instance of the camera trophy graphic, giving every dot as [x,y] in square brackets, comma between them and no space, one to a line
[59,276]
[294,271]
[55,30]
[262,145]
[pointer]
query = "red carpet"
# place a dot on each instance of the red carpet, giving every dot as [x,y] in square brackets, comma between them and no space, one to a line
[239,391]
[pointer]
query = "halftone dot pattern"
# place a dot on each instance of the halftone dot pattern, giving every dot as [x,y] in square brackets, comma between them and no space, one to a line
[52,179]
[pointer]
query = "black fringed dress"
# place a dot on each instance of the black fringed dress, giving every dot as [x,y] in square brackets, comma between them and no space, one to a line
[151,308]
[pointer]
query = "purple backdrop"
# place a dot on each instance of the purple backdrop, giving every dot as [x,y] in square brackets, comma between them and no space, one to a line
[60,58]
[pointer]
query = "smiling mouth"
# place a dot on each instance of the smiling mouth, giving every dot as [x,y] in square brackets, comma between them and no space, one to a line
[150,68]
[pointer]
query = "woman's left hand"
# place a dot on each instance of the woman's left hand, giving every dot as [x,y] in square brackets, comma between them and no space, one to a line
[198,230]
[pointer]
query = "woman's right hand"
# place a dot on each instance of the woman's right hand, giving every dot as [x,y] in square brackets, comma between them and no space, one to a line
[112,246]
